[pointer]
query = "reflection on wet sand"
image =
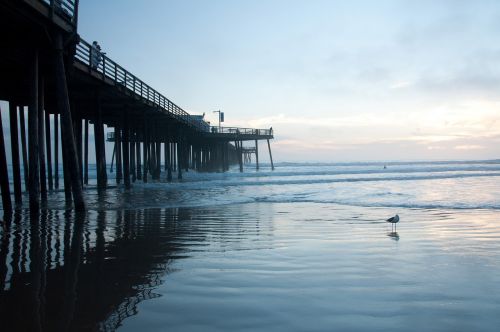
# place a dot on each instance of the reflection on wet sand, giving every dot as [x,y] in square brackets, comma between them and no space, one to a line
[64,271]
[393,235]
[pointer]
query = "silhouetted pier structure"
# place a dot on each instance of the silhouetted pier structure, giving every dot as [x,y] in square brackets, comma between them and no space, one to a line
[55,77]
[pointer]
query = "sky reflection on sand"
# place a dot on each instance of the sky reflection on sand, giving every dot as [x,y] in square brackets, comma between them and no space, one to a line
[274,266]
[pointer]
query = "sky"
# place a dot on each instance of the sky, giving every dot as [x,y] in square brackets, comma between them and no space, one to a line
[337,80]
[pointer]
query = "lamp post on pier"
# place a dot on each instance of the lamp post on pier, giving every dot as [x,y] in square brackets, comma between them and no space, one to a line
[221,117]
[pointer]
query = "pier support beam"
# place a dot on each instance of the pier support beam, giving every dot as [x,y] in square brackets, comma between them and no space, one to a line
[166,152]
[4,175]
[145,150]
[77,126]
[132,153]
[256,154]
[168,159]
[56,151]
[239,152]
[100,146]
[126,151]
[118,147]
[24,148]
[158,157]
[174,159]
[66,177]
[270,154]
[14,146]
[34,161]
[138,156]
[179,158]
[66,125]
[86,153]
[48,142]
[112,158]
[41,138]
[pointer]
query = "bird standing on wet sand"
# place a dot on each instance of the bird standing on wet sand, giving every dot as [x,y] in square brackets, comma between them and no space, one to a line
[393,220]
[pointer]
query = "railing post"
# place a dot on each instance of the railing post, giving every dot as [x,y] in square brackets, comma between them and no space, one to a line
[75,15]
[52,4]
[116,73]
[103,68]
[90,59]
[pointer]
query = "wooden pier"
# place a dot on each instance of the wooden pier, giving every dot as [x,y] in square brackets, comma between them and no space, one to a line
[56,78]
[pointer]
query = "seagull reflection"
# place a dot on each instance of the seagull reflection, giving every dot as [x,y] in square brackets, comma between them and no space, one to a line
[393,235]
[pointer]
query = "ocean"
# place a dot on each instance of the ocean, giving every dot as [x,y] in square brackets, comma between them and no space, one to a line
[302,248]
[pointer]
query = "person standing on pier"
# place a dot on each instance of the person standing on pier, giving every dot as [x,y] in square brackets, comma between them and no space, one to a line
[95,55]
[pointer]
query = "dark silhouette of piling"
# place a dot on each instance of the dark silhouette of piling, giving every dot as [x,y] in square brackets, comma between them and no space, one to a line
[118,154]
[64,110]
[126,151]
[49,151]
[256,154]
[4,177]
[41,137]
[34,160]
[56,151]
[270,154]
[100,150]
[86,154]
[179,158]
[145,149]
[138,157]
[14,146]
[24,149]
[132,154]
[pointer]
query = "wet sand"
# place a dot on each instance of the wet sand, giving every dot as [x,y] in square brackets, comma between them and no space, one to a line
[267,266]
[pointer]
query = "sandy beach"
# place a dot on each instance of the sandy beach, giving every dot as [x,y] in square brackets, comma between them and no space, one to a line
[275,266]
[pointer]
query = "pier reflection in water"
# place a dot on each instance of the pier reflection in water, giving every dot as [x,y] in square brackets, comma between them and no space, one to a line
[68,271]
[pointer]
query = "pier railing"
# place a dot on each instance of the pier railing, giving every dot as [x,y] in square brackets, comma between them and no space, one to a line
[66,9]
[98,62]
[107,70]
[241,131]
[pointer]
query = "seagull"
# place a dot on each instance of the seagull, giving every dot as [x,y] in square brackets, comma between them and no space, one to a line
[393,220]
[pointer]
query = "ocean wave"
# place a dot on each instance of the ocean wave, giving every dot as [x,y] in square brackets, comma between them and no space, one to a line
[264,181]
[414,205]
[334,172]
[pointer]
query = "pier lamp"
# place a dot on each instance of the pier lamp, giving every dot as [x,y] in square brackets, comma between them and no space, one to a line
[221,117]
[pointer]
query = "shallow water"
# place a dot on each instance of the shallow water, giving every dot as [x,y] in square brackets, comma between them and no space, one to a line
[274,257]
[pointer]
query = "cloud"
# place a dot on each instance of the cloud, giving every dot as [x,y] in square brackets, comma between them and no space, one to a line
[469,147]
[400,84]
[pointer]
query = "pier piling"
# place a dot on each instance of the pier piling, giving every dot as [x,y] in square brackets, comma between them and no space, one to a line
[64,109]
[86,153]
[56,151]
[270,155]
[49,151]
[14,146]
[4,177]
[100,147]
[34,160]
[126,150]
[22,125]
[138,156]
[41,138]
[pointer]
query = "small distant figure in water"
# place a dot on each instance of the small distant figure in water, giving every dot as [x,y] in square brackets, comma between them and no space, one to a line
[385,167]
[95,55]
[393,220]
